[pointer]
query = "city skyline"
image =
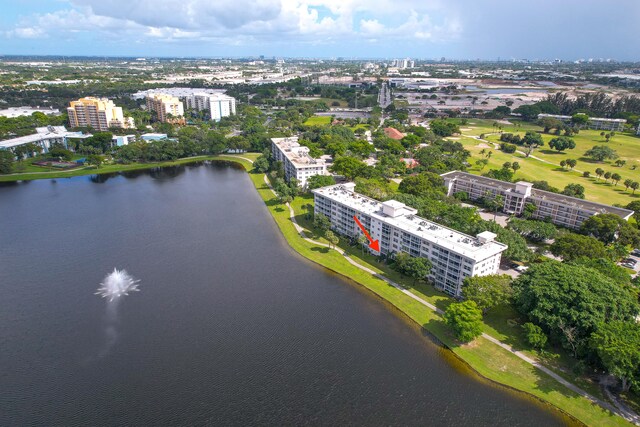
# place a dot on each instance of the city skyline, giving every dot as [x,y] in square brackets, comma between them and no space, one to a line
[325,28]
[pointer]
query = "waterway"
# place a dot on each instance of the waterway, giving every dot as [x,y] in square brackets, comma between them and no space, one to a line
[230,326]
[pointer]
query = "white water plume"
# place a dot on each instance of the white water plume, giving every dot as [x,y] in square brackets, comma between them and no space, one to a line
[117,284]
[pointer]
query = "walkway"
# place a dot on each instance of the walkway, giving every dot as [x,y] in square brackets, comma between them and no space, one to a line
[622,412]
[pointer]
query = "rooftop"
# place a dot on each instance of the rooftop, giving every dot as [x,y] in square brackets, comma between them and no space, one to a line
[405,219]
[602,119]
[296,153]
[543,195]
[393,133]
[42,133]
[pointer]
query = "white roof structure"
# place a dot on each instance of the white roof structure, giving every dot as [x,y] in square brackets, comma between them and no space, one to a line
[296,153]
[401,216]
[27,111]
[42,133]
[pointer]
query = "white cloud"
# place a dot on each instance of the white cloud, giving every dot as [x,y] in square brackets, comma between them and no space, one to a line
[239,21]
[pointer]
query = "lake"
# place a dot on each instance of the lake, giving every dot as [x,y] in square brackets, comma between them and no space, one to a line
[230,326]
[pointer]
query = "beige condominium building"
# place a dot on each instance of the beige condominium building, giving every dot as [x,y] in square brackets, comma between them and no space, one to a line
[563,210]
[98,113]
[453,255]
[296,160]
[168,108]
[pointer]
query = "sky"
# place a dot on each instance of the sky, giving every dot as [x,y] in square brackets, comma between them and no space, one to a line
[429,29]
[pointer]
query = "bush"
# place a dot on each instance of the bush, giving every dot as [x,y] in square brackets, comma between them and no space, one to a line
[508,148]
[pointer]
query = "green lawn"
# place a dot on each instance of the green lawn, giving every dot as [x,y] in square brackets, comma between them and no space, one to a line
[491,361]
[627,146]
[318,121]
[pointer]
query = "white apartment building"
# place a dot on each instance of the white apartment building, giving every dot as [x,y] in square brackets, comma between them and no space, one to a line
[218,105]
[297,162]
[98,113]
[168,108]
[454,255]
[599,123]
[45,137]
[563,210]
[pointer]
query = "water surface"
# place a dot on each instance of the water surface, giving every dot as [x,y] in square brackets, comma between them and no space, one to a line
[230,327]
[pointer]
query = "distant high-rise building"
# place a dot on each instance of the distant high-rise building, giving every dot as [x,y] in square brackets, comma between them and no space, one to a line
[98,113]
[218,105]
[168,108]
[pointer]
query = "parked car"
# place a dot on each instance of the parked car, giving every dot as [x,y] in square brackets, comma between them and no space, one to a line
[630,261]
[628,265]
[635,252]
[522,268]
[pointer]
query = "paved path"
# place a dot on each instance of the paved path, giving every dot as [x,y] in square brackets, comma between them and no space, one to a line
[622,412]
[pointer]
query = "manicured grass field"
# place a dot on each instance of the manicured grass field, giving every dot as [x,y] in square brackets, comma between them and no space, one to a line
[545,163]
[318,121]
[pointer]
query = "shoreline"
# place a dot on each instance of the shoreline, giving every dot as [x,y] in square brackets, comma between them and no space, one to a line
[589,413]
[498,366]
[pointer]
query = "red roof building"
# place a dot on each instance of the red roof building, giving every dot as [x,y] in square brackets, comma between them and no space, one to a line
[393,133]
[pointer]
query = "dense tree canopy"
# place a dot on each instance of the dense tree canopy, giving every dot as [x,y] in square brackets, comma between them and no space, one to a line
[569,302]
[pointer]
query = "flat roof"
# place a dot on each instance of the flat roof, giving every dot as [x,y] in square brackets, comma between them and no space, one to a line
[297,154]
[41,134]
[460,243]
[542,194]
[603,119]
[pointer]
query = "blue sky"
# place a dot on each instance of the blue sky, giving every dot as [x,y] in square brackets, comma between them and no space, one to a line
[485,29]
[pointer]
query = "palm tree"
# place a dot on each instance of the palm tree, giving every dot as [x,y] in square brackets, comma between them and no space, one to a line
[607,175]
[627,184]
[599,172]
[483,152]
[515,166]
[634,186]
[489,154]
[563,163]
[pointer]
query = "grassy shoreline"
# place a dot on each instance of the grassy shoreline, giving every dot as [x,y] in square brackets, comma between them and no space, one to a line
[483,357]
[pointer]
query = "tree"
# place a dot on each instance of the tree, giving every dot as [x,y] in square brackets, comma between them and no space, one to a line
[601,153]
[535,335]
[537,231]
[580,119]
[634,186]
[563,163]
[529,209]
[482,163]
[6,161]
[363,241]
[627,184]
[331,238]
[599,172]
[318,181]
[349,167]
[572,163]
[569,302]
[466,320]
[607,175]
[487,291]
[443,127]
[562,143]
[261,164]
[570,246]
[574,190]
[617,344]
[610,228]
[95,160]
[322,222]
[506,165]
[415,267]
[616,178]
[515,166]
[635,207]
[422,184]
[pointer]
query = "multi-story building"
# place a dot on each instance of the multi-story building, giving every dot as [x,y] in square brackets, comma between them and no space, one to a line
[218,105]
[98,113]
[563,210]
[599,123]
[296,160]
[453,255]
[168,108]
[45,137]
